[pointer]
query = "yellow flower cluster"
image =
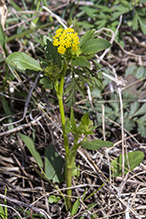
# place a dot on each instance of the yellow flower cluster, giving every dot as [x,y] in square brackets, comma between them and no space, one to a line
[66,38]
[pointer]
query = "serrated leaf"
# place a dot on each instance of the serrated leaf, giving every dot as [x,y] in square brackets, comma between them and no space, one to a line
[87,36]
[30,144]
[75,207]
[142,119]
[133,108]
[89,11]
[90,81]
[69,87]
[71,98]
[79,89]
[120,10]
[141,111]
[72,119]
[54,165]
[22,61]
[67,126]
[85,24]
[85,119]
[129,124]
[95,45]
[85,126]
[142,130]
[80,61]
[104,8]
[134,159]
[96,144]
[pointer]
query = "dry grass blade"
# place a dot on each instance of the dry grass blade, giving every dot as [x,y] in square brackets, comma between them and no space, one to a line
[41,211]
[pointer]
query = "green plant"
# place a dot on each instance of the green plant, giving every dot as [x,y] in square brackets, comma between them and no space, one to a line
[133,101]
[132,160]
[66,55]
[107,13]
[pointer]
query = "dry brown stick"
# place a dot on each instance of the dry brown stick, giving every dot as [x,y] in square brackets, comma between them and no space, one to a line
[22,168]
[34,122]
[119,91]
[7,206]
[22,22]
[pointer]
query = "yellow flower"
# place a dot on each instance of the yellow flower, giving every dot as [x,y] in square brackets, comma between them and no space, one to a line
[65,39]
[74,48]
[55,43]
[61,49]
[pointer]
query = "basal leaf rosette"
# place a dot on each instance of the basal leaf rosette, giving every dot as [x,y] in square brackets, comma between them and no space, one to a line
[67,41]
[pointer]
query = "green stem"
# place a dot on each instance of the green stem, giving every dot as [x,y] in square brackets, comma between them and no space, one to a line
[61,108]
[68,176]
[68,171]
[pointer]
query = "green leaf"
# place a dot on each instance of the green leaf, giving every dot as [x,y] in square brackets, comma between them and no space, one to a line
[53,199]
[7,111]
[120,10]
[89,208]
[95,45]
[51,53]
[79,89]
[85,119]
[23,61]
[3,40]
[47,84]
[131,70]
[141,111]
[80,61]
[75,207]
[133,108]
[71,98]
[54,165]
[71,91]
[15,6]
[135,21]
[141,129]
[67,126]
[87,36]
[72,119]
[129,124]
[85,126]
[142,125]
[141,72]
[29,143]
[142,23]
[91,12]
[96,144]
[85,24]
[75,170]
[134,159]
